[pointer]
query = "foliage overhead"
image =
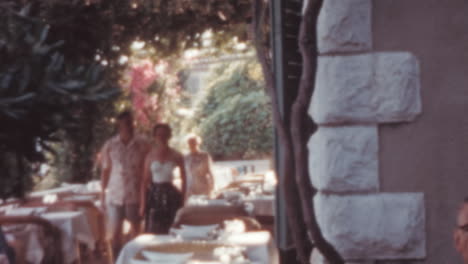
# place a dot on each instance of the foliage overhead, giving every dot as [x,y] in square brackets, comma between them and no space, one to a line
[40,93]
[85,31]
[108,27]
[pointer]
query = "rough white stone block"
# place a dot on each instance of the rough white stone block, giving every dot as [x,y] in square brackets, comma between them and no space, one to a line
[369,88]
[344,159]
[345,25]
[376,226]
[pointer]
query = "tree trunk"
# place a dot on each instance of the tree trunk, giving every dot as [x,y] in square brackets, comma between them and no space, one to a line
[287,184]
[298,191]
[300,120]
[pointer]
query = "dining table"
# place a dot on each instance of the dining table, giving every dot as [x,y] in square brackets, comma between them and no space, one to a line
[58,190]
[262,204]
[28,241]
[258,246]
[74,211]
[75,227]
[257,204]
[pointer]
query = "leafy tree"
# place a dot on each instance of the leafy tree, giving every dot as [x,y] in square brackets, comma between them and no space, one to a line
[40,95]
[104,30]
[108,27]
[234,116]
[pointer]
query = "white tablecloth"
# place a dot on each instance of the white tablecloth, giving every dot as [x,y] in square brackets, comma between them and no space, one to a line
[259,246]
[23,211]
[68,188]
[262,204]
[257,205]
[134,246]
[26,241]
[204,201]
[75,228]
[81,197]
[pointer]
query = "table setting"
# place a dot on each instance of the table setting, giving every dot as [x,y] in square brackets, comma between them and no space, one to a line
[225,243]
[27,239]
[25,211]
[255,201]
[73,214]
[73,226]
[75,229]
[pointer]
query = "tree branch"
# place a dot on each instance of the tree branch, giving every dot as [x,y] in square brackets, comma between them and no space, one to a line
[287,184]
[300,120]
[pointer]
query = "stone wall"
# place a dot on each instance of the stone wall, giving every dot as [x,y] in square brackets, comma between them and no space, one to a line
[359,90]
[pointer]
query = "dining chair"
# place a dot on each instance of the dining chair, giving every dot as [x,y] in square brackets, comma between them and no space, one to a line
[216,214]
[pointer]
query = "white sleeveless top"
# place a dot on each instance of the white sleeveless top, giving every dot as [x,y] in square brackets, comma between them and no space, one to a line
[162,172]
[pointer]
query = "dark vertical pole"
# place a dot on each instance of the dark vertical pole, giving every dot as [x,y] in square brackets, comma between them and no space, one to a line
[286,95]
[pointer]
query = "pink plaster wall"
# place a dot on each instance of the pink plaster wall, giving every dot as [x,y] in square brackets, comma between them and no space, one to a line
[431,154]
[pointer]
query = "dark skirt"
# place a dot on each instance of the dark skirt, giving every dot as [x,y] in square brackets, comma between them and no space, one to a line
[162,202]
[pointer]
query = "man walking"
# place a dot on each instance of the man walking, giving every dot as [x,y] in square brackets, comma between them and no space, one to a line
[122,166]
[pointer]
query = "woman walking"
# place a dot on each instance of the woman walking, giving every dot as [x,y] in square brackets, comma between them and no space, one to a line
[160,199]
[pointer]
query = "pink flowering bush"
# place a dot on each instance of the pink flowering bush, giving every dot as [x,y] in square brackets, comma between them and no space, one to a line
[154,93]
[142,76]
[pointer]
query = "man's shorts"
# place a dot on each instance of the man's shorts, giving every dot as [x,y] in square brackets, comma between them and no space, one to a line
[116,214]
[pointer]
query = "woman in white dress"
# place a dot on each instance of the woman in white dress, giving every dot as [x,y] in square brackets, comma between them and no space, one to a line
[160,199]
[198,169]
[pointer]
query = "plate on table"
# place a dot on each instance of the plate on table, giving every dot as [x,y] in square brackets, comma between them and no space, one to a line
[81,197]
[162,257]
[198,250]
[191,234]
[207,202]
[141,261]
[200,228]
[217,202]
[195,232]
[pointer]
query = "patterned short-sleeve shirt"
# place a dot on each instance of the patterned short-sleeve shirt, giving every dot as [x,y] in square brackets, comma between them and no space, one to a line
[127,162]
